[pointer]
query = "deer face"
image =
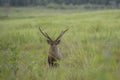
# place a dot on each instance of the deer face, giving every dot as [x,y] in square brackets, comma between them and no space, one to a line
[53,46]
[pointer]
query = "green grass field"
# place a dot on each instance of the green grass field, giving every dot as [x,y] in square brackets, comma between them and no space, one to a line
[90,49]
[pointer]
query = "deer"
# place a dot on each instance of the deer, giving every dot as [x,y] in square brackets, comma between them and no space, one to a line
[54,54]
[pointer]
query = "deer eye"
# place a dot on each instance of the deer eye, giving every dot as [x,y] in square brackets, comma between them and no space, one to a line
[48,41]
[57,42]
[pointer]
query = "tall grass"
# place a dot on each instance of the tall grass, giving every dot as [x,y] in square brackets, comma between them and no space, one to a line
[90,49]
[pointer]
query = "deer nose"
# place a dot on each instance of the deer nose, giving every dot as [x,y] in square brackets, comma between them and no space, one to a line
[54,45]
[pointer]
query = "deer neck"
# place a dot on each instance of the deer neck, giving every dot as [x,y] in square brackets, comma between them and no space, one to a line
[54,51]
[53,48]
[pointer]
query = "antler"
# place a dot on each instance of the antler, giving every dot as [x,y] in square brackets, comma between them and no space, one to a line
[61,34]
[45,34]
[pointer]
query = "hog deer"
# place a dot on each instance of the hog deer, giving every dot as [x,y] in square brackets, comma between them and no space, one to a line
[54,54]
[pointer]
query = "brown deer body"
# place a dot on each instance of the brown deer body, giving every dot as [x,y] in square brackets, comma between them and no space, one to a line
[54,54]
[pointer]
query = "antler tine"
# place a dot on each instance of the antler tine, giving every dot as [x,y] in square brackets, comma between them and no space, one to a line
[48,36]
[45,34]
[61,34]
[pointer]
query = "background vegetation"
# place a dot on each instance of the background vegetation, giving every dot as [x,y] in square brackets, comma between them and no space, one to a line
[63,3]
[90,49]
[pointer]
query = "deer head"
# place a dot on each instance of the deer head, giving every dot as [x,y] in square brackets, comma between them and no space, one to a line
[54,53]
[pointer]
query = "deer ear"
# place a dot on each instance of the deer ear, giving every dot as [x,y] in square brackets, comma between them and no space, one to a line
[58,41]
[48,41]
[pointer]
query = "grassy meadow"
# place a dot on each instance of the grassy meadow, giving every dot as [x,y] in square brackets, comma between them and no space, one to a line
[90,49]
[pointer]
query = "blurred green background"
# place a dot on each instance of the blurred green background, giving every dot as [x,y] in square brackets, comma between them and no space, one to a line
[90,49]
